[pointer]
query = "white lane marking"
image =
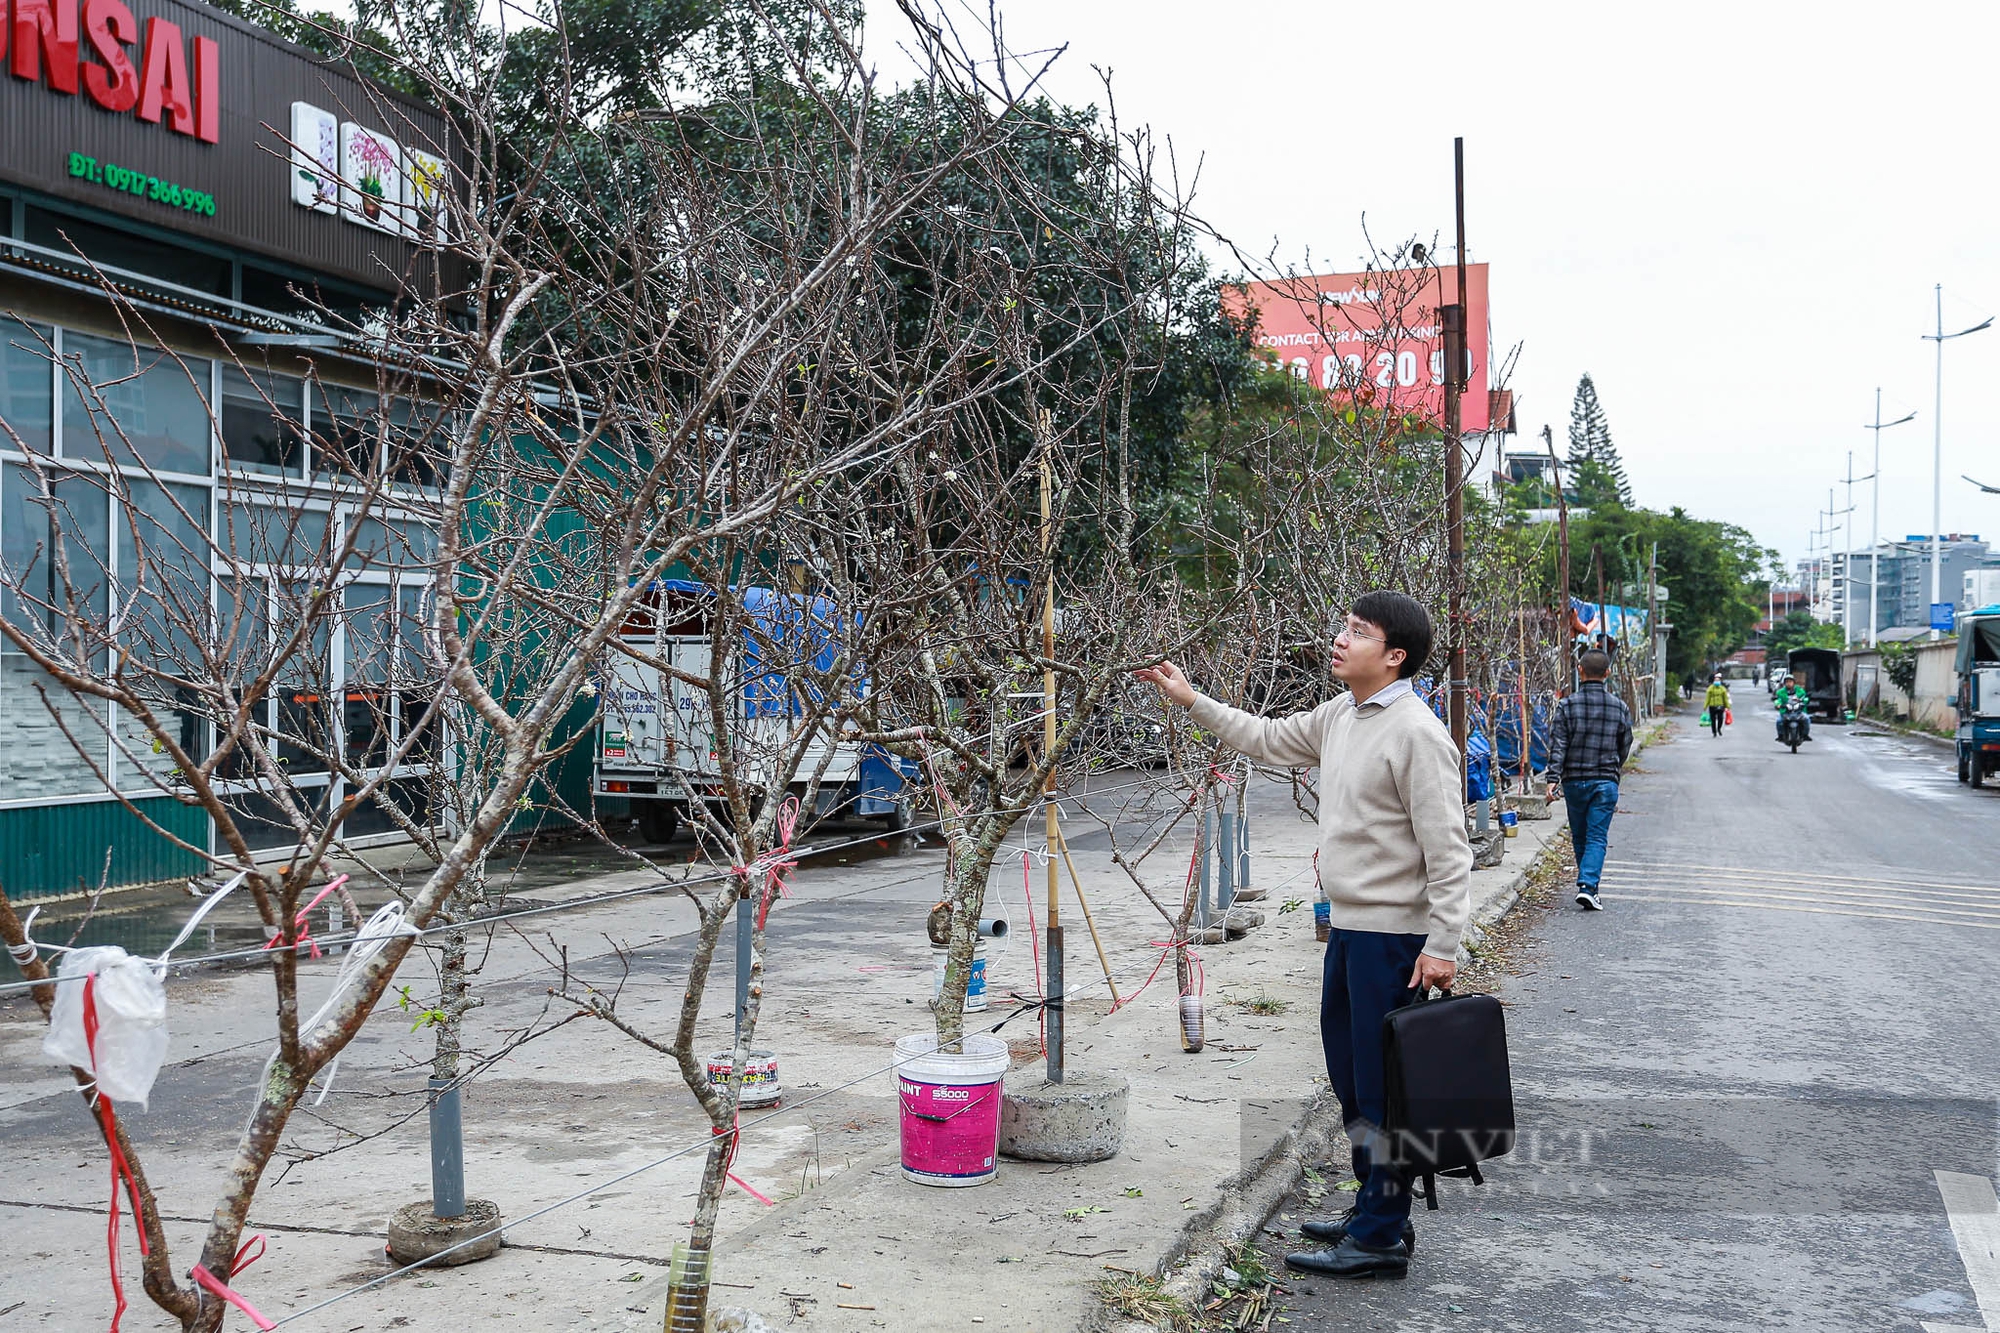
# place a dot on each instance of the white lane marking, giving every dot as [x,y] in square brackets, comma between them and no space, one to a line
[1975,1224]
[1630,894]
[1920,902]
[1778,880]
[1930,1327]
[1887,877]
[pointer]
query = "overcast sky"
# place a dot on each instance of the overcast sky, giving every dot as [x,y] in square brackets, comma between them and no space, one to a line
[1731,215]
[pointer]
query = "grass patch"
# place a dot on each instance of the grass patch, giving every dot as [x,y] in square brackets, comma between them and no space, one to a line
[1268,1005]
[1136,1296]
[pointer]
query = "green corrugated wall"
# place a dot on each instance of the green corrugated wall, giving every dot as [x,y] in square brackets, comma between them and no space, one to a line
[60,848]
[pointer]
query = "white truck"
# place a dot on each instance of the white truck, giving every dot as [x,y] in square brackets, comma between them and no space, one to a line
[657,741]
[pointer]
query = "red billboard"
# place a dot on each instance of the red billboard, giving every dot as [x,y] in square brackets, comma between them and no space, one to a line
[1378,335]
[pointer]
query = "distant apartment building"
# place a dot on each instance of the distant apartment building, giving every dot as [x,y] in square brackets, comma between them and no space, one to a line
[1896,578]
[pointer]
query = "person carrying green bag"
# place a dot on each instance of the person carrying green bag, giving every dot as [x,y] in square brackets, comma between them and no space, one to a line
[1718,705]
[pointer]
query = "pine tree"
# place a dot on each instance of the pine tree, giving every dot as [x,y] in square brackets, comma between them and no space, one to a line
[1593,458]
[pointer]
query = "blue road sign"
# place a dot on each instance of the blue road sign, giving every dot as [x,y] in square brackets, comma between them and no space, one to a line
[1941,616]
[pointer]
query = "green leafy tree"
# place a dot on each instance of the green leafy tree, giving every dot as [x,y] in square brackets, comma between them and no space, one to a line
[1599,475]
[1899,664]
[1799,630]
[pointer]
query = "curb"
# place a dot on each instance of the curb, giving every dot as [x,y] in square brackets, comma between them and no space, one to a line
[1879,729]
[1249,1202]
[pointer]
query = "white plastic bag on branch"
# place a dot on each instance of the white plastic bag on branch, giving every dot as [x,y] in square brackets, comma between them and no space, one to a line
[130,1006]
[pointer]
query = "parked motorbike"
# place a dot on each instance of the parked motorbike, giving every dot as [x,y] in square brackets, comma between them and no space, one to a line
[1792,725]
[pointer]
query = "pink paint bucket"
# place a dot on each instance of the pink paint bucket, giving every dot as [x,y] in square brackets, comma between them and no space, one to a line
[950,1108]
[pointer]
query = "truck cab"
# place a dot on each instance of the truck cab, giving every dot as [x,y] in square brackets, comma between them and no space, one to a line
[658,741]
[1978,700]
[1817,672]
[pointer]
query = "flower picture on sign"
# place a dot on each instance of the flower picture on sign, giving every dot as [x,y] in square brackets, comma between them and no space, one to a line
[371,178]
[315,158]
[424,186]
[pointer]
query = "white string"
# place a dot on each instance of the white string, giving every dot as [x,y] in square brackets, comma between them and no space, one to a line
[24,952]
[370,940]
[542,909]
[207,906]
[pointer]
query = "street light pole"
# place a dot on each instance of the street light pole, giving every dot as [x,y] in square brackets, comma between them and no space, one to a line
[1454,318]
[1845,564]
[1937,449]
[1875,513]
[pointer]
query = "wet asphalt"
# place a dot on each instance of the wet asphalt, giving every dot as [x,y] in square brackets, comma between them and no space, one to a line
[1734,1085]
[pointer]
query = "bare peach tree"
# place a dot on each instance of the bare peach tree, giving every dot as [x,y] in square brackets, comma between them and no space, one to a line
[644,351]
[1305,495]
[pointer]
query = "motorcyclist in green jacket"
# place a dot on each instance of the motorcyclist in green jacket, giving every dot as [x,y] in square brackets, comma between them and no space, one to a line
[1791,695]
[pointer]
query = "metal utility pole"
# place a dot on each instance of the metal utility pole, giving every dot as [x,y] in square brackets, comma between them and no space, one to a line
[1603,615]
[1054,999]
[1937,450]
[1564,684]
[1847,561]
[1454,471]
[1875,514]
[1658,692]
[1841,562]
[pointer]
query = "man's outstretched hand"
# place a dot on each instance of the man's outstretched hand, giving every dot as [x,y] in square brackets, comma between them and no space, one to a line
[1431,972]
[1173,682]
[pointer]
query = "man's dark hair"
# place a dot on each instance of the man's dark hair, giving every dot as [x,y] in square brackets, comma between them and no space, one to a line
[1404,624]
[1594,664]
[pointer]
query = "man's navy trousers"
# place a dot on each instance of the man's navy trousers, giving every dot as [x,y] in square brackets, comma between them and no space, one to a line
[1367,976]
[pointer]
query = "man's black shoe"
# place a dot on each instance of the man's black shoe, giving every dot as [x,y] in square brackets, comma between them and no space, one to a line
[1351,1258]
[1332,1233]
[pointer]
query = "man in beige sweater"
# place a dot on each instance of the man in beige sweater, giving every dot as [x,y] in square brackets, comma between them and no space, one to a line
[1396,866]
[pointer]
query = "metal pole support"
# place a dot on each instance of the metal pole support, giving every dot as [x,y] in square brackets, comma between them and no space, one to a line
[1225,861]
[1054,964]
[447,1151]
[746,929]
[1243,844]
[1203,843]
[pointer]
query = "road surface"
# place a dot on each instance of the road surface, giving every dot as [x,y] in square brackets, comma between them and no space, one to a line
[1737,1086]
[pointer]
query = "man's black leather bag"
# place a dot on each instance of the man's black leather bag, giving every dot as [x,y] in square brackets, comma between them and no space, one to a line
[1450,1102]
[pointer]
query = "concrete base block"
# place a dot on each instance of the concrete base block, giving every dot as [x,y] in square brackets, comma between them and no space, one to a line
[1081,1119]
[1239,921]
[1251,895]
[414,1234]
[1487,849]
[1532,807]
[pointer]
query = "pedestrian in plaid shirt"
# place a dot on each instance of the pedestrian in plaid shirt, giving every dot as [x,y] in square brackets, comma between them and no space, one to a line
[1588,742]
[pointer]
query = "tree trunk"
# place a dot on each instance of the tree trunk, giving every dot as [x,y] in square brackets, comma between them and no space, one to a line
[967,896]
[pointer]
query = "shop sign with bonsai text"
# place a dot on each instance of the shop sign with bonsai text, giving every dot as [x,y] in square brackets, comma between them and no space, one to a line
[100,49]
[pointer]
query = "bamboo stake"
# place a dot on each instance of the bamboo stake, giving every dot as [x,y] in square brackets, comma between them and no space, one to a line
[1062,845]
[1053,1002]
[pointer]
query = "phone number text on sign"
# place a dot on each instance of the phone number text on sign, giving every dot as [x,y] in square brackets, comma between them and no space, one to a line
[138,183]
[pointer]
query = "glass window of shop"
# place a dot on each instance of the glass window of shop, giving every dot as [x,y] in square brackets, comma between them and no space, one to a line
[27,375]
[119,486]
[129,404]
[263,421]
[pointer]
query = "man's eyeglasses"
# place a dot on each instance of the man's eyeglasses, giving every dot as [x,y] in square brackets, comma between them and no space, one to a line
[1349,632]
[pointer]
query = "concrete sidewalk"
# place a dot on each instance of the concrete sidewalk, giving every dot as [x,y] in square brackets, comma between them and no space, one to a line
[1212,1139]
[565,1105]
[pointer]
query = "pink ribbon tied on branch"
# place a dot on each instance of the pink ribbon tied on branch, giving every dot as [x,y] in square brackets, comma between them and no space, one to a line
[301,932]
[220,1289]
[122,1175]
[775,864]
[735,1133]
